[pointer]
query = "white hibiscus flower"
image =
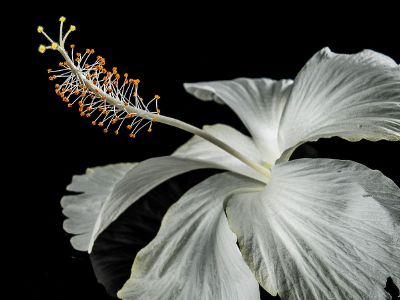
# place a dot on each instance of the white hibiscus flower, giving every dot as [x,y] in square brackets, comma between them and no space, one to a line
[306,228]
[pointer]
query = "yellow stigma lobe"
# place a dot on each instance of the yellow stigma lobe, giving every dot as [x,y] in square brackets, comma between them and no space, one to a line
[42,49]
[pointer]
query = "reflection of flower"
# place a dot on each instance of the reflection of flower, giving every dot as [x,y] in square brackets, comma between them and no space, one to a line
[307,228]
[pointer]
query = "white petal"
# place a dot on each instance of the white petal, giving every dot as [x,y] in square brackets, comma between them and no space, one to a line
[198,148]
[82,209]
[194,255]
[322,229]
[258,103]
[109,191]
[351,96]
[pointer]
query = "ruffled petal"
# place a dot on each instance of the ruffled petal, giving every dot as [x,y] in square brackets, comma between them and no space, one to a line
[258,103]
[322,229]
[83,209]
[194,255]
[199,149]
[351,96]
[108,191]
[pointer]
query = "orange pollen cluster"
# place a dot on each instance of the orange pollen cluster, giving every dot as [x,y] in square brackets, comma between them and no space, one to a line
[88,85]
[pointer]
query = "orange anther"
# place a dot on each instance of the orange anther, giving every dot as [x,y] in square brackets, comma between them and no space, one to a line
[72,46]
[136,81]
[48,70]
[131,135]
[88,115]
[116,132]
[93,122]
[69,105]
[126,75]
[129,127]
[56,85]
[105,130]
[157,97]
[82,114]
[101,124]
[149,130]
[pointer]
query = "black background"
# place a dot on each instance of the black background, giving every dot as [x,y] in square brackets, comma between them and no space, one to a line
[164,47]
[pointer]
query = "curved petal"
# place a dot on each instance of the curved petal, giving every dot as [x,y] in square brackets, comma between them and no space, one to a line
[351,96]
[109,191]
[194,255]
[82,209]
[322,229]
[115,248]
[258,103]
[199,149]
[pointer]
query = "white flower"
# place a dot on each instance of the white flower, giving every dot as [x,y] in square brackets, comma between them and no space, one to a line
[307,228]
[313,229]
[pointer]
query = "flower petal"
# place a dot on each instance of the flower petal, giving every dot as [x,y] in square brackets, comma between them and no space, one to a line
[116,247]
[351,96]
[83,209]
[103,199]
[194,255]
[258,103]
[199,149]
[322,229]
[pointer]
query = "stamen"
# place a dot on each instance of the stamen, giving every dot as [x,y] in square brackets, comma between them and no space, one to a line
[110,101]
[71,90]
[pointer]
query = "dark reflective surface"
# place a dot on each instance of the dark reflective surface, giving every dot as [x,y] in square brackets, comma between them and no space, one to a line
[164,47]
